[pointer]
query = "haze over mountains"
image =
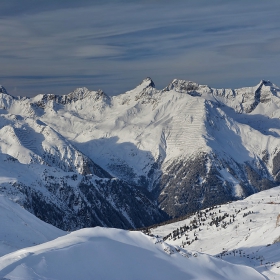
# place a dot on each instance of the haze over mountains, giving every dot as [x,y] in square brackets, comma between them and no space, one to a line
[139,158]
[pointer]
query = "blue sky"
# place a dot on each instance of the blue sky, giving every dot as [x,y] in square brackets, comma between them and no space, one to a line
[50,47]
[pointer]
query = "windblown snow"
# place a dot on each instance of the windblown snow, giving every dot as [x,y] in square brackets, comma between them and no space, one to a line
[102,253]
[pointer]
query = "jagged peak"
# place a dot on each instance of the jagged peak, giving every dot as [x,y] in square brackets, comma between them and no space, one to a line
[148,82]
[77,94]
[81,93]
[267,83]
[3,90]
[182,86]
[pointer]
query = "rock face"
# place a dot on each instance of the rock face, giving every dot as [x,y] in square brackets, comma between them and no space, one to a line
[141,157]
[94,202]
[2,90]
[197,183]
[70,200]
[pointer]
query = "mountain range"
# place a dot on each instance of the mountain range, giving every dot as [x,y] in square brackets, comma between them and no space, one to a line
[138,158]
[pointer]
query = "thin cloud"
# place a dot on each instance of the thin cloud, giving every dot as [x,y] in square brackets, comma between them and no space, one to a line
[98,51]
[265,49]
[218,43]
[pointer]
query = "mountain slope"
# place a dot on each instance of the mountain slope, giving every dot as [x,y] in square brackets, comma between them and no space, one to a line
[20,229]
[70,200]
[243,232]
[182,148]
[101,253]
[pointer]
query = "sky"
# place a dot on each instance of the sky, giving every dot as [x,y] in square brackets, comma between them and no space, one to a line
[50,46]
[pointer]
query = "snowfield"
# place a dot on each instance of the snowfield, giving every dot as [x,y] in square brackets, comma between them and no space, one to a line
[20,229]
[243,232]
[102,253]
[244,245]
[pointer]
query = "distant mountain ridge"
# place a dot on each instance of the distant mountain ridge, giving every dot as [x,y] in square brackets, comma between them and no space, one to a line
[140,157]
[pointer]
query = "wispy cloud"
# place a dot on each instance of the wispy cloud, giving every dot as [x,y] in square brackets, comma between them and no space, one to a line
[260,49]
[117,43]
[95,51]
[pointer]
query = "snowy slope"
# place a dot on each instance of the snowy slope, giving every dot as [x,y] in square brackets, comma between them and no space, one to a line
[20,229]
[100,253]
[70,200]
[243,232]
[183,148]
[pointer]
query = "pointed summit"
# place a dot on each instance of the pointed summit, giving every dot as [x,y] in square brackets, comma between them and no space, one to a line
[267,86]
[266,83]
[3,90]
[148,82]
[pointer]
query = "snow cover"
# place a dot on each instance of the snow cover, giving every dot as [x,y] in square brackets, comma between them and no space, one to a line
[20,229]
[251,237]
[143,126]
[47,139]
[102,253]
[146,123]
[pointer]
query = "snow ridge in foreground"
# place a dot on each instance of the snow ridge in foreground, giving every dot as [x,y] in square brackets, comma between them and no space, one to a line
[103,253]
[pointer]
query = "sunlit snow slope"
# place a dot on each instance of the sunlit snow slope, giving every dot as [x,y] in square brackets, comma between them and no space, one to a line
[243,232]
[101,253]
[20,229]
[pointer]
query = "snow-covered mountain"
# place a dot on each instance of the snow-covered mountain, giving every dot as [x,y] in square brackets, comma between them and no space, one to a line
[243,232]
[130,160]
